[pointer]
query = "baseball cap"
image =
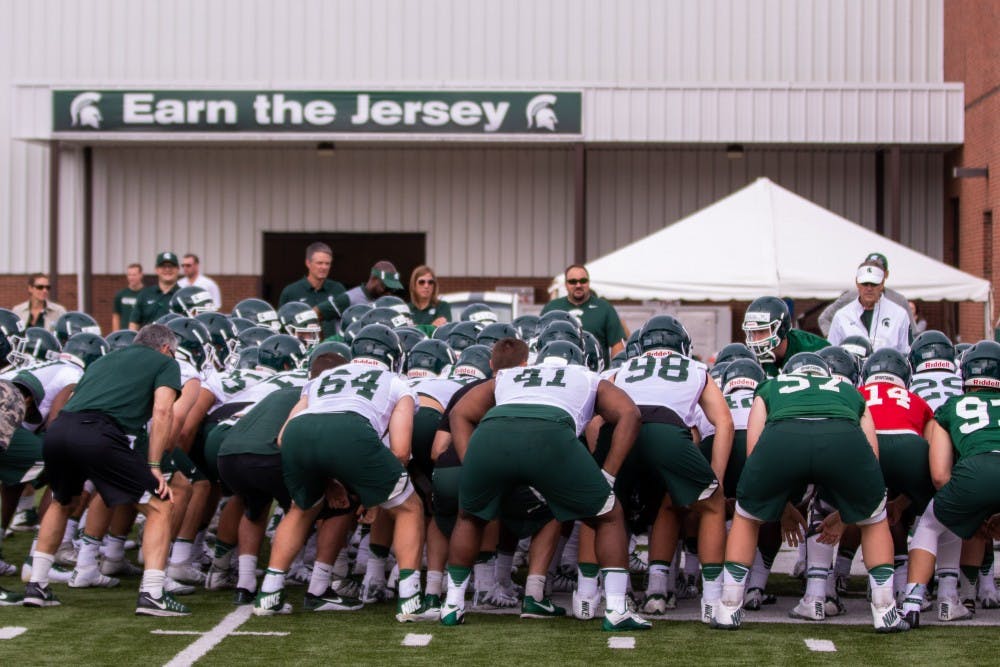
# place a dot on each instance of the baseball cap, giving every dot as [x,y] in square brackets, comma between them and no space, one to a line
[389,276]
[877,258]
[167,257]
[870,274]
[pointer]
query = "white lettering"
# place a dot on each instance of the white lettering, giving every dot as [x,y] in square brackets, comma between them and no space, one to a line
[495,113]
[319,112]
[281,105]
[262,110]
[194,109]
[361,116]
[137,108]
[386,112]
[226,107]
[465,113]
[169,112]
[435,113]
[410,111]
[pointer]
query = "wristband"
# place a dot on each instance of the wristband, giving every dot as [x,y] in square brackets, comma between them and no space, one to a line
[153,464]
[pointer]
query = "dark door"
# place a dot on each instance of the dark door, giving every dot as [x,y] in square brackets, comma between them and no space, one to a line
[353,256]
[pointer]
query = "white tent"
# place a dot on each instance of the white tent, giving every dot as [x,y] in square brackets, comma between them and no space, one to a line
[765,240]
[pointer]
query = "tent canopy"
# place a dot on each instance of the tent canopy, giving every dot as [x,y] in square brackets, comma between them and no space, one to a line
[766,240]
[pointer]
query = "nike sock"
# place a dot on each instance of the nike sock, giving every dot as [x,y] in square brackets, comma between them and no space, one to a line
[409,583]
[902,565]
[246,566]
[114,547]
[615,589]
[152,583]
[274,580]
[458,582]
[72,525]
[880,581]
[434,581]
[819,560]
[586,579]
[375,567]
[659,574]
[711,581]
[733,577]
[181,553]
[534,586]
[41,563]
[319,582]
[87,558]
[342,565]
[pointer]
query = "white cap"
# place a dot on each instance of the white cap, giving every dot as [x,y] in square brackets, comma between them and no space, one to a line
[870,274]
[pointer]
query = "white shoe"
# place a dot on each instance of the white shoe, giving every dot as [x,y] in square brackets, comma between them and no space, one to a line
[834,607]
[809,609]
[585,608]
[728,617]
[887,619]
[638,562]
[374,591]
[989,596]
[504,597]
[952,609]
[120,567]
[348,587]
[66,554]
[7,569]
[482,600]
[564,579]
[175,587]
[57,574]
[219,579]
[708,608]
[91,577]
[657,604]
[299,575]
[688,588]
[186,573]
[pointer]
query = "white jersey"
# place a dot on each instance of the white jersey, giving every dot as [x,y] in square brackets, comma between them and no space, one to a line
[361,388]
[572,389]
[188,371]
[54,376]
[256,393]
[439,389]
[705,427]
[740,402]
[936,386]
[230,386]
[672,380]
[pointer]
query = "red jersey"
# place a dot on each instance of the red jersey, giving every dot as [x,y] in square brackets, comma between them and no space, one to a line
[894,409]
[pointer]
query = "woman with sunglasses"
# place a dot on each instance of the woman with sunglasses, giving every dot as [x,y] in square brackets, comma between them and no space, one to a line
[425,306]
[38,311]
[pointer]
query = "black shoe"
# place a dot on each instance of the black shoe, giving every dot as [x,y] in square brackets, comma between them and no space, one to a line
[37,595]
[912,619]
[242,596]
[165,605]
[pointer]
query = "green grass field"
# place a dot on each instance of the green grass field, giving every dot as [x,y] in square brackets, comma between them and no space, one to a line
[97,627]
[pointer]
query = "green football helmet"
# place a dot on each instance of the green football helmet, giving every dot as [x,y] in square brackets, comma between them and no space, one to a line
[479,313]
[766,324]
[84,348]
[259,312]
[463,334]
[194,343]
[560,330]
[665,333]
[842,363]
[300,320]
[742,374]
[806,363]
[121,338]
[734,351]
[887,365]
[932,350]
[379,343]
[981,366]
[429,358]
[224,336]
[73,322]
[34,346]
[563,350]
[474,361]
[491,333]
[281,352]
[330,347]
[191,301]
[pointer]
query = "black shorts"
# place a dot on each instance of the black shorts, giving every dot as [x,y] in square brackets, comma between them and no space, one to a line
[257,479]
[89,445]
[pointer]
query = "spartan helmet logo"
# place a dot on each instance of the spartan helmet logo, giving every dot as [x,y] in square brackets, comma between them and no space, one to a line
[84,111]
[540,113]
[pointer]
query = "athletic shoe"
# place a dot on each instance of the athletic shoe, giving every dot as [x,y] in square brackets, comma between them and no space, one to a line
[348,587]
[887,619]
[544,608]
[119,567]
[504,596]
[688,590]
[952,609]
[269,604]
[708,610]
[175,587]
[10,598]
[415,608]
[37,595]
[833,606]
[452,614]
[299,575]
[243,596]
[757,598]
[626,621]
[91,578]
[727,617]
[840,583]
[482,600]
[809,609]
[66,554]
[433,604]
[24,521]
[657,604]
[564,579]
[186,573]
[330,601]
[57,573]
[989,596]
[912,619]
[219,579]
[637,562]
[585,608]
[165,605]
[7,569]
[374,591]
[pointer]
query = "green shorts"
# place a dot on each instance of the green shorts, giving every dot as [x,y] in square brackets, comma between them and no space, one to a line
[213,443]
[183,464]
[22,462]
[905,467]
[444,500]
[342,446]
[425,424]
[792,453]
[737,459]
[506,452]
[971,496]
[670,451]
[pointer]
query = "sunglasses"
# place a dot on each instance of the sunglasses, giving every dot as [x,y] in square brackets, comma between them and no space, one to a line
[426,281]
[577,281]
[42,286]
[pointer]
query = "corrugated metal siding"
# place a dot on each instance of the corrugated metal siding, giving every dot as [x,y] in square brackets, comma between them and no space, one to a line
[633,193]
[490,212]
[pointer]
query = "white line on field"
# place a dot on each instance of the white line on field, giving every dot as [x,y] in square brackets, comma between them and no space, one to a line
[175,632]
[12,631]
[210,639]
[417,640]
[259,634]
[820,645]
[621,642]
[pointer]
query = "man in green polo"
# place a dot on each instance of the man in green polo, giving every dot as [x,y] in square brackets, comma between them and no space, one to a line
[597,315]
[316,288]
[153,302]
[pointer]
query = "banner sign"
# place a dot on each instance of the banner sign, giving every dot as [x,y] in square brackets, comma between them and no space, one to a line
[369,112]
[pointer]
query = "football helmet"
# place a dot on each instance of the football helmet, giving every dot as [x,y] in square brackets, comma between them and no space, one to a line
[717,371]
[34,345]
[166,318]
[259,312]
[300,320]
[352,314]
[73,322]
[960,350]
[121,338]
[842,363]
[559,330]
[248,358]
[281,352]
[191,301]
[194,343]
[352,330]
[330,347]
[392,301]
[632,348]
[806,363]
[410,336]
[527,327]
[558,316]
[734,351]
[84,347]
[742,374]
[932,350]
[665,332]
[981,365]
[387,316]
[593,357]
[766,324]
[474,361]
[618,359]
[887,365]
[428,358]
[10,326]
[491,333]
[377,342]
[859,346]
[562,352]
[441,333]
[241,323]
[253,336]
[223,334]
[479,313]
[463,334]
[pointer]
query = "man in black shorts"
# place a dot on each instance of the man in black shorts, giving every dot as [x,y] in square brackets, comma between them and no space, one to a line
[92,438]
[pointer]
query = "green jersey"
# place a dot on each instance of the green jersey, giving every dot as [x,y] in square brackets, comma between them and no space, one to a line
[302,290]
[972,421]
[257,431]
[596,315]
[151,303]
[798,341]
[125,301]
[121,385]
[801,396]
[430,313]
